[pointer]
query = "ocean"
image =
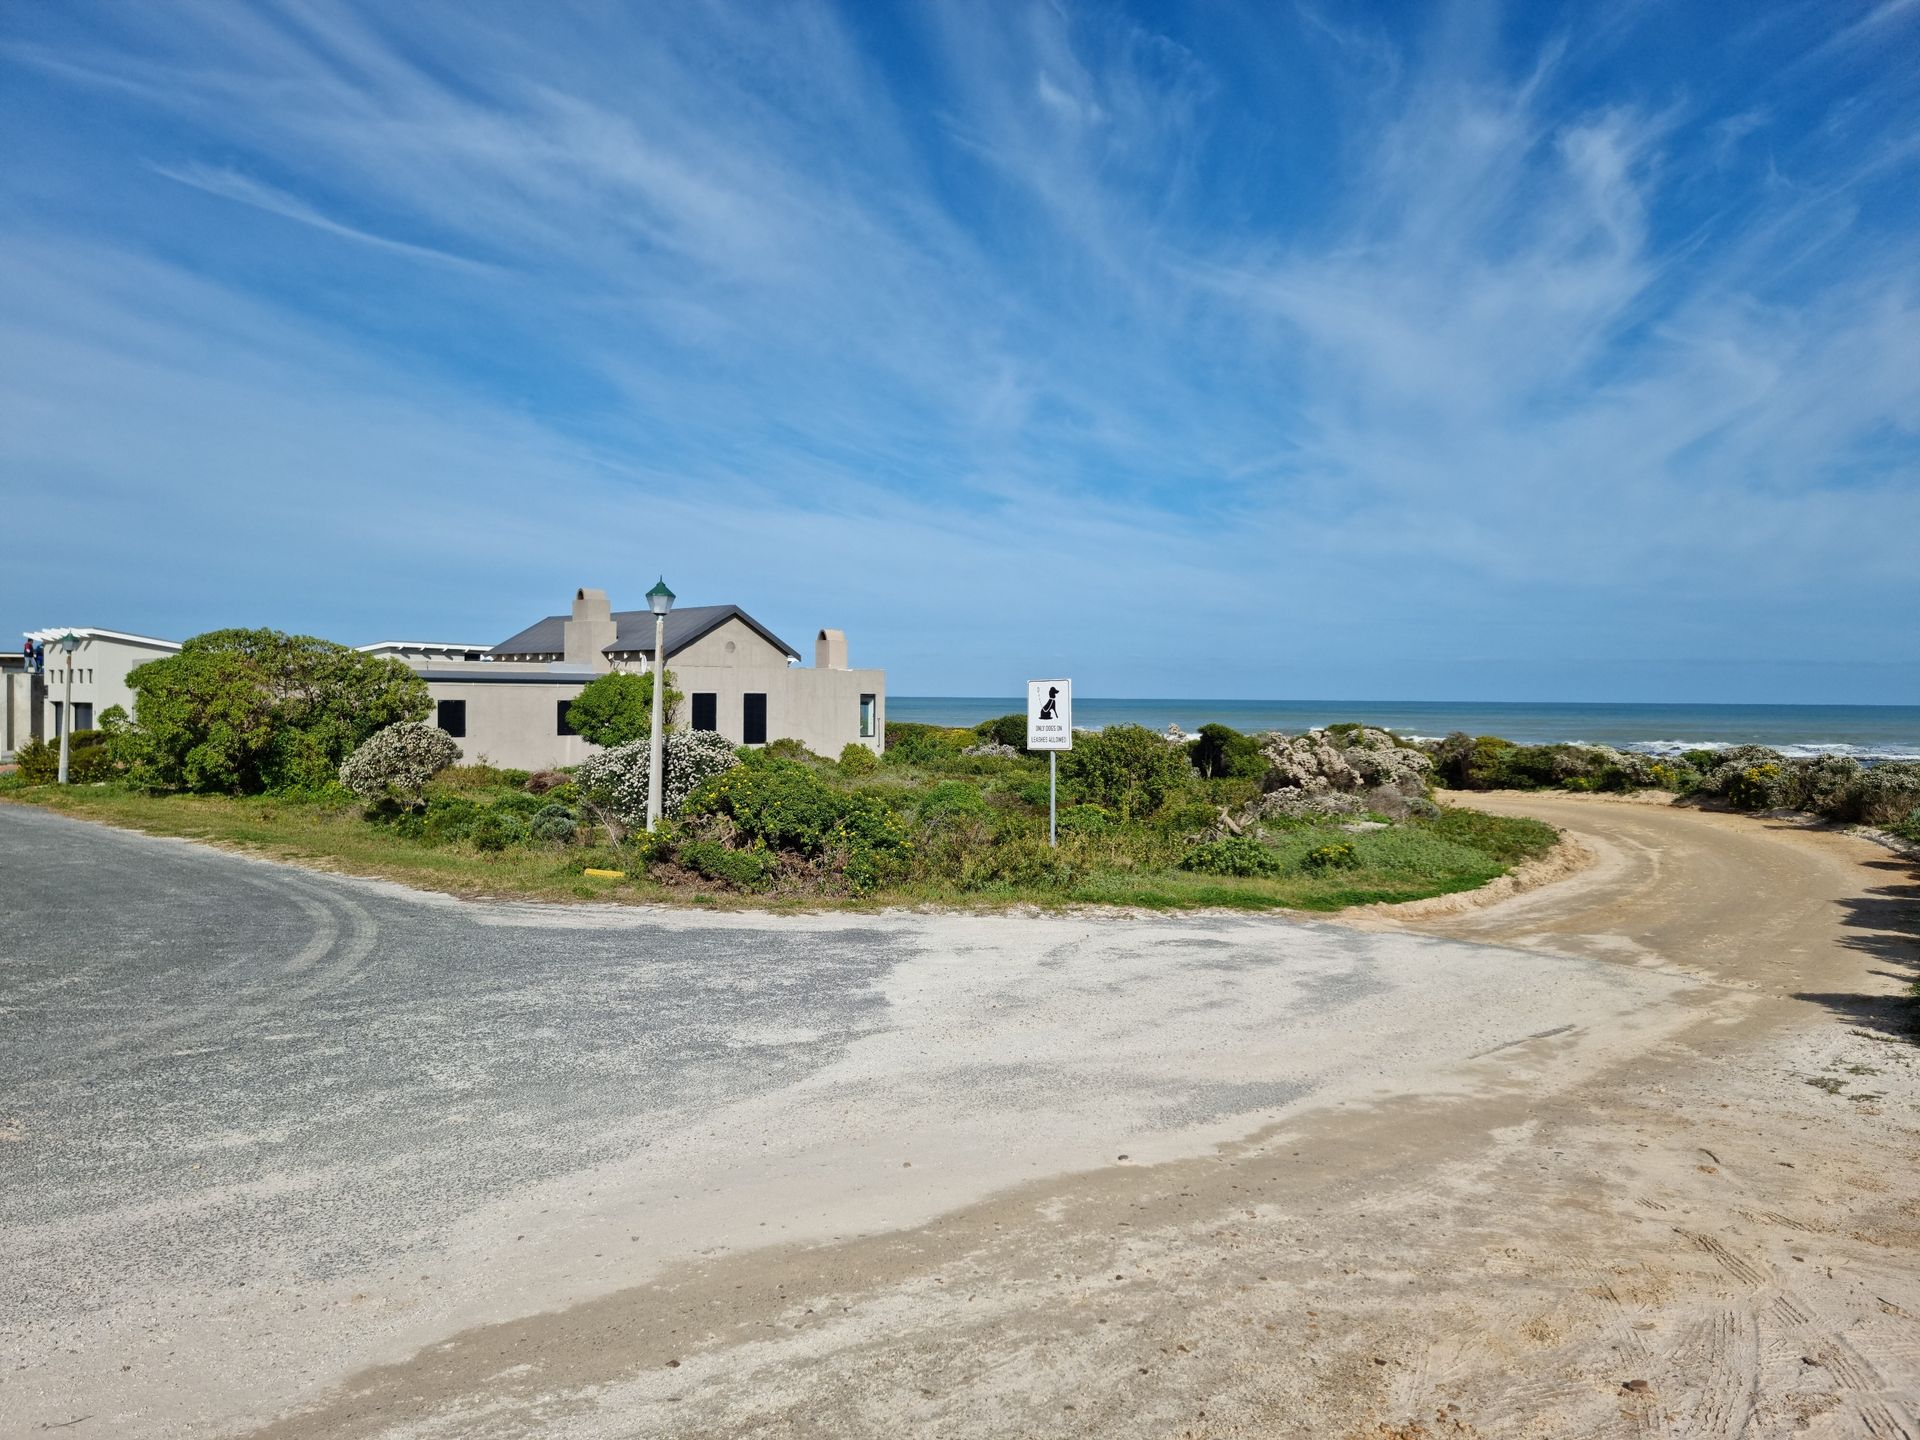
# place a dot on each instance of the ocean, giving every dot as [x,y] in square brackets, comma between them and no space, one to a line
[1867,732]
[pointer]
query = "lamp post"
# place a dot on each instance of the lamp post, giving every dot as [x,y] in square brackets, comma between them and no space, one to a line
[69,643]
[660,601]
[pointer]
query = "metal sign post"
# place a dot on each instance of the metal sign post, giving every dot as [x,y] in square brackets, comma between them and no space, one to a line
[1050,728]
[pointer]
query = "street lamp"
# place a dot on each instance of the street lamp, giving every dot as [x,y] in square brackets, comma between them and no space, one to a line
[660,601]
[69,643]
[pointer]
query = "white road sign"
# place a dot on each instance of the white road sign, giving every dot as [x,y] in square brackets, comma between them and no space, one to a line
[1050,715]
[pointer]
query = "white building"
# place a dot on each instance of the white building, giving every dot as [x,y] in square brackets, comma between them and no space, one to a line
[100,666]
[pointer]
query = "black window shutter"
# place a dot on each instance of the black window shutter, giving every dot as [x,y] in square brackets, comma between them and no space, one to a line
[753,719]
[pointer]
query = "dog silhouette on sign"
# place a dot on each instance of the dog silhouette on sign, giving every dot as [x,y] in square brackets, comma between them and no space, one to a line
[1048,710]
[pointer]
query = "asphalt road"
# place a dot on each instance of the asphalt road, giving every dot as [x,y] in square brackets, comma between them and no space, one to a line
[262,1127]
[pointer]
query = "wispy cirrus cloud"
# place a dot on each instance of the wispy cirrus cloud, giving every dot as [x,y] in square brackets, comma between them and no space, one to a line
[1396,355]
[230,184]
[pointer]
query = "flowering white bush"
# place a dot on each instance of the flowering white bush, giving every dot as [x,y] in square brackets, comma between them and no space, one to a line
[396,763]
[617,778]
[1323,761]
[1334,773]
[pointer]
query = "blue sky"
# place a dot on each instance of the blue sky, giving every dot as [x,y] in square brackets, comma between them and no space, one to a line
[1395,351]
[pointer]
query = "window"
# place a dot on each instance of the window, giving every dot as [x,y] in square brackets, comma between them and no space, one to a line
[56,719]
[451,716]
[560,725]
[83,715]
[706,712]
[868,712]
[753,719]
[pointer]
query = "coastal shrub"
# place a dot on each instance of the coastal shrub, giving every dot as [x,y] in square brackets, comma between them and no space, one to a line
[617,708]
[1232,855]
[541,781]
[1728,765]
[1124,768]
[395,764]
[1336,855]
[783,805]
[926,745]
[742,869]
[1488,762]
[89,759]
[1885,794]
[1186,815]
[1758,787]
[1086,820]
[36,762]
[554,824]
[788,748]
[857,760]
[950,800]
[1909,829]
[1221,751]
[1344,759]
[1031,792]
[616,780]
[246,711]
[497,827]
[1004,730]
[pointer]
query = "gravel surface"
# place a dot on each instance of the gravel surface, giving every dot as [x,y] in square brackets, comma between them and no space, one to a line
[264,1127]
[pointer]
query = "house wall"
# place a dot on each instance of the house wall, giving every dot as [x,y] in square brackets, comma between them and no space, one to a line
[819,708]
[512,709]
[512,714]
[100,668]
[16,707]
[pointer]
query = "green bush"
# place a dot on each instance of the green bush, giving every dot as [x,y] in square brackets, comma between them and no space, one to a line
[1182,817]
[617,708]
[1336,855]
[1004,730]
[37,762]
[497,827]
[784,805]
[951,800]
[926,745]
[1757,787]
[857,760]
[243,711]
[89,759]
[1233,855]
[1031,792]
[788,748]
[1124,768]
[553,823]
[1909,828]
[742,869]
[1222,752]
[1086,820]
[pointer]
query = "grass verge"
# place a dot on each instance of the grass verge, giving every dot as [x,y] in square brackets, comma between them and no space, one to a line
[1455,851]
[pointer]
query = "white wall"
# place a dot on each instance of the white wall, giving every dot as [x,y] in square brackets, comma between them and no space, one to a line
[100,668]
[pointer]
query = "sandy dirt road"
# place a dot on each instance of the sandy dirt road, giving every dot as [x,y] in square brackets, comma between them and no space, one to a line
[1681,1203]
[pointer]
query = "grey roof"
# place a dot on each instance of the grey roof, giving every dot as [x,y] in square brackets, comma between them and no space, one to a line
[634,635]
